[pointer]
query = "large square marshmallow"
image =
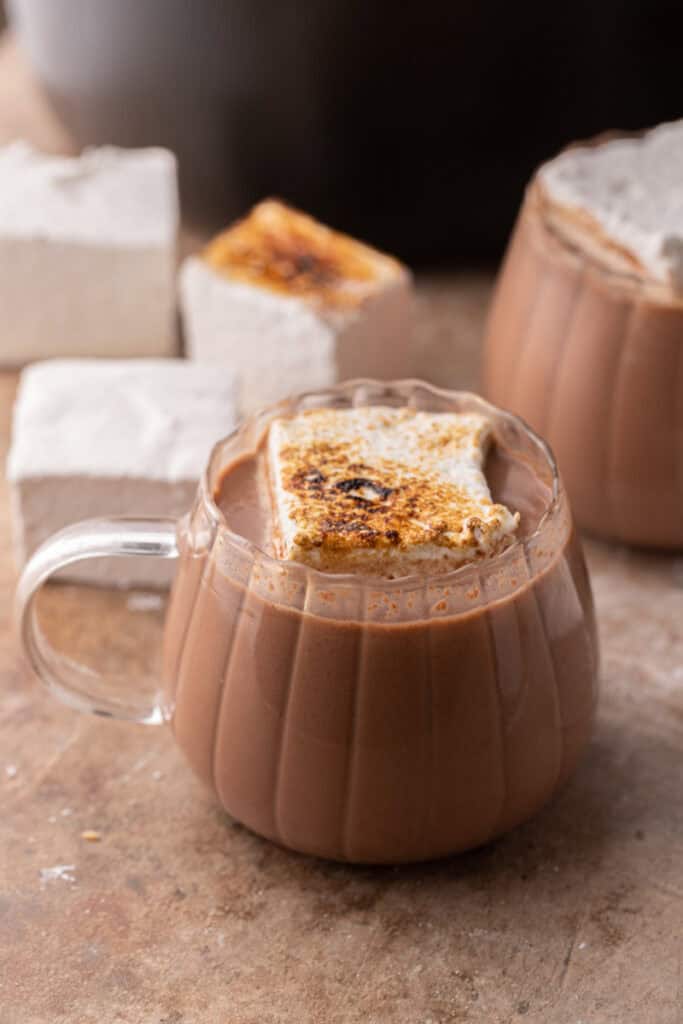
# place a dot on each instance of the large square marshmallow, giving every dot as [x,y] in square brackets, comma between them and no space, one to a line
[384,491]
[112,437]
[292,306]
[627,193]
[87,253]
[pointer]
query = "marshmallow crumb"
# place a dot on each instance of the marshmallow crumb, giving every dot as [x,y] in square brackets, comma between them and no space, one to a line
[58,873]
[144,602]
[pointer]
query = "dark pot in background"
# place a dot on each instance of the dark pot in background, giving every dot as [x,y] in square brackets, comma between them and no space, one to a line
[412,124]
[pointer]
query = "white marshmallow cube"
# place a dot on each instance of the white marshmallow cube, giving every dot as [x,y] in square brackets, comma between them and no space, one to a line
[87,253]
[291,306]
[112,437]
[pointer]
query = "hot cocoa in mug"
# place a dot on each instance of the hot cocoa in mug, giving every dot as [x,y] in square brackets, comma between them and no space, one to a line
[345,714]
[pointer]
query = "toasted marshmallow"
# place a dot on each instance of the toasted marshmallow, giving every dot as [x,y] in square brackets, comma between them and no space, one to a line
[106,437]
[627,193]
[87,253]
[384,491]
[292,305]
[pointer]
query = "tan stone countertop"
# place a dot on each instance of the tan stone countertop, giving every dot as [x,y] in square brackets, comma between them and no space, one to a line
[179,916]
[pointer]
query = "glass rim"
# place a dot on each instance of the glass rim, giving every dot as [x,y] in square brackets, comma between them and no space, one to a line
[403,388]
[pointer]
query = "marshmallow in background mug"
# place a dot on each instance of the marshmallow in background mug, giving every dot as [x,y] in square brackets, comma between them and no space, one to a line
[623,200]
[87,253]
[100,437]
[291,305]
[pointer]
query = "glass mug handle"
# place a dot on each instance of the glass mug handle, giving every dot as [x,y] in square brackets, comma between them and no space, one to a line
[81,687]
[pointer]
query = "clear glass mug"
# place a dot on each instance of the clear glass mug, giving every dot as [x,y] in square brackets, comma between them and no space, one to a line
[353,718]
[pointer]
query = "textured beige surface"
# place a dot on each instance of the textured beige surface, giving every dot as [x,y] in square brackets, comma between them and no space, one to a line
[177,916]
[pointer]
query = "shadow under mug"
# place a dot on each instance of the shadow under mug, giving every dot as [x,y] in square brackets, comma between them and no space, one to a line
[360,719]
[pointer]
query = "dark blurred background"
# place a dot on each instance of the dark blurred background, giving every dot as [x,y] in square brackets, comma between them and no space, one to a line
[414,124]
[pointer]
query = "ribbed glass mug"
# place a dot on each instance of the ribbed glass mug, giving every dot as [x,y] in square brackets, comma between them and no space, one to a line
[591,357]
[359,719]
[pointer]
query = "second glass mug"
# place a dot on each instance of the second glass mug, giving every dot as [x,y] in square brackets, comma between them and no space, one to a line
[359,719]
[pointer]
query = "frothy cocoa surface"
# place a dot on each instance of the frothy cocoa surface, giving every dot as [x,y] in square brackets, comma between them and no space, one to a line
[378,725]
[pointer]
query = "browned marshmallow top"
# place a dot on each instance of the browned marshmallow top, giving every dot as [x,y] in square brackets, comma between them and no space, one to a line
[384,490]
[278,248]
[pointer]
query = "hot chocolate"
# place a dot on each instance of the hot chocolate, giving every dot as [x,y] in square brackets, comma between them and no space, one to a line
[584,339]
[381,720]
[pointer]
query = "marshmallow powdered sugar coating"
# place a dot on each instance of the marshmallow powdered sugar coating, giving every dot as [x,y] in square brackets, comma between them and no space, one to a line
[112,437]
[292,305]
[627,193]
[384,491]
[87,253]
